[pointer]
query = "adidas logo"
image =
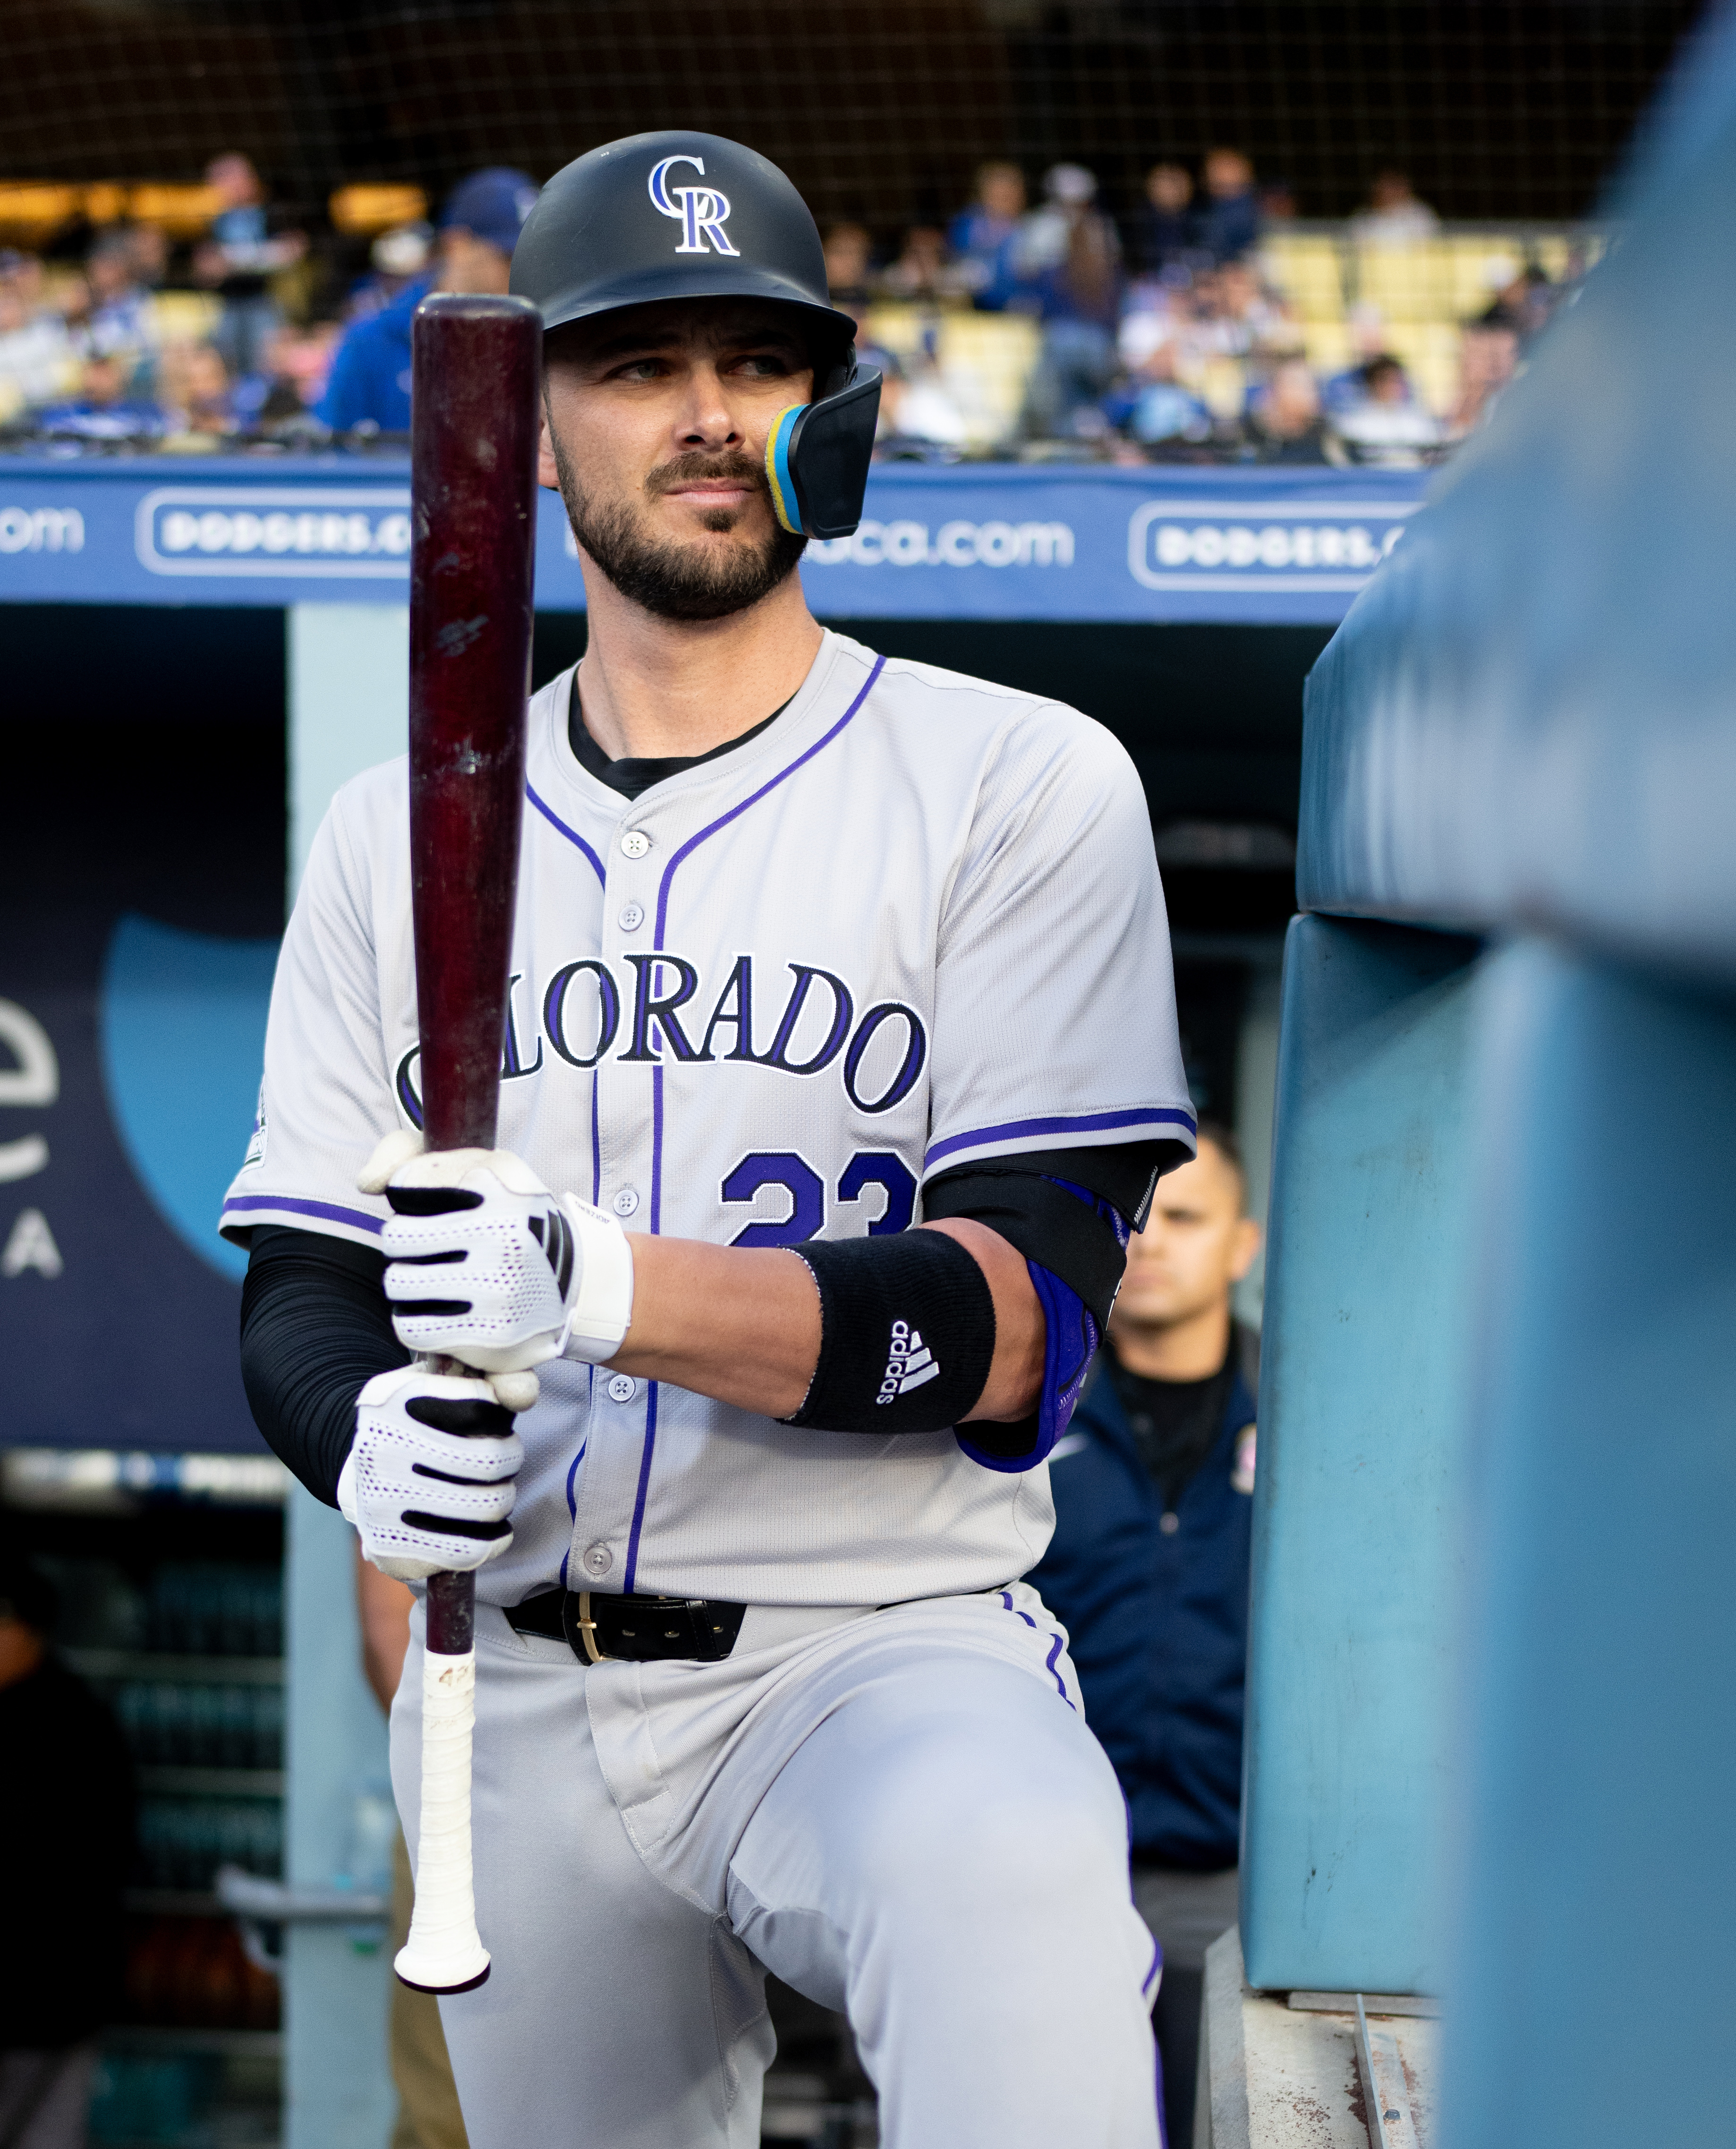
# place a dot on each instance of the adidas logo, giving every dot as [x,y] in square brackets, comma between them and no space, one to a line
[554,1234]
[909,1362]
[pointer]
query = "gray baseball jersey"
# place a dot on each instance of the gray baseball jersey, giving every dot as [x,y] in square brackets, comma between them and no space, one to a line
[915,922]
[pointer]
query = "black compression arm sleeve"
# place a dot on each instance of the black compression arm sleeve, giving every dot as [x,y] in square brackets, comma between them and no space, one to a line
[316,1329]
[1017,1196]
[1125,1173]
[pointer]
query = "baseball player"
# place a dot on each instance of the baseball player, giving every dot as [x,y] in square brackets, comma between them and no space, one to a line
[841,1058]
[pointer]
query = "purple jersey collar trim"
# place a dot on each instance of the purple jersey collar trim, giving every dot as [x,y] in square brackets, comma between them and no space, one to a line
[572,836]
[753,798]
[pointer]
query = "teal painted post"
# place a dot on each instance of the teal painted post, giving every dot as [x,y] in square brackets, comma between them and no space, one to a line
[1350,1668]
[338,2085]
[1595,1965]
[1527,723]
[349,704]
[349,695]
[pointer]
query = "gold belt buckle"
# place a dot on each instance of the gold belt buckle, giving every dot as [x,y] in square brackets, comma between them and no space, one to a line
[588,1630]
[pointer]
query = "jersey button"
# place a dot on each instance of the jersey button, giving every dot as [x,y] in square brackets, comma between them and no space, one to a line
[622,1387]
[632,917]
[635,843]
[598,1560]
[625,1202]
[1169,1522]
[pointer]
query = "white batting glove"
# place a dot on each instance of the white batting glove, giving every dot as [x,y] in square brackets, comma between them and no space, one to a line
[486,1266]
[429,1479]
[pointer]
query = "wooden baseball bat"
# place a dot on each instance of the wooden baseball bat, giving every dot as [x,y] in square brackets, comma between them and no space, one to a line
[475,368]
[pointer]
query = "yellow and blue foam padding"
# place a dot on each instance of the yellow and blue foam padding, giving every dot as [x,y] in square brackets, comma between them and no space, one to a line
[784,503]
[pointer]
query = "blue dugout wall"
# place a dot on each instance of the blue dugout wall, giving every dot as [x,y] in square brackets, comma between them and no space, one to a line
[1491,1737]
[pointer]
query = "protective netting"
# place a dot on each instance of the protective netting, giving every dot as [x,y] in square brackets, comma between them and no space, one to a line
[1137,231]
[880,109]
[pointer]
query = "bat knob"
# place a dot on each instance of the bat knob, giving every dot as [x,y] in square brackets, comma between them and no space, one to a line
[434,1969]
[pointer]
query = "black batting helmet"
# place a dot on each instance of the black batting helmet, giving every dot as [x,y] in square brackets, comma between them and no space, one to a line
[677,215]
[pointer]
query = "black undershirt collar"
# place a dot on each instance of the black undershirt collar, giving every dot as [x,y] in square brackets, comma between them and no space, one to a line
[630,776]
[1174,1424]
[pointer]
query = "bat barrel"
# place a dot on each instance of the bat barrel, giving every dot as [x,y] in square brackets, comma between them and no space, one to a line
[475,364]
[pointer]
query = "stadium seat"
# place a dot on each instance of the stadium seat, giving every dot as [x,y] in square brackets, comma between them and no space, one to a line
[1221,384]
[1328,347]
[984,360]
[185,316]
[1481,263]
[1308,268]
[896,328]
[1407,283]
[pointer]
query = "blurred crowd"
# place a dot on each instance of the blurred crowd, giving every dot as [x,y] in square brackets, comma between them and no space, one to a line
[247,334]
[132,344]
[1206,325]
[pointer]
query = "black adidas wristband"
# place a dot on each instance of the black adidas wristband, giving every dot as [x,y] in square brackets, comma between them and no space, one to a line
[907,1334]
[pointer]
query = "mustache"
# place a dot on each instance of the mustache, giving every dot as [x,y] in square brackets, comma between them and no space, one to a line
[725,463]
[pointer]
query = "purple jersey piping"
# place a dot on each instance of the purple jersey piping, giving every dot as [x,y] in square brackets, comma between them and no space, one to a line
[1081,1122]
[572,1505]
[329,1210]
[656,1149]
[692,844]
[1006,1598]
[571,835]
[650,1442]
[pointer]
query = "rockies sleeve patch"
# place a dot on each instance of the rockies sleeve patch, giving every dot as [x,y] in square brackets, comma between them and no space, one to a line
[907,1334]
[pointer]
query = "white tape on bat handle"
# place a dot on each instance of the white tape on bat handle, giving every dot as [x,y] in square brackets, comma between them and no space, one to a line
[444,1952]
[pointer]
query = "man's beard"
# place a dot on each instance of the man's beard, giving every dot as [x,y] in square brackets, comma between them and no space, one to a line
[669,579]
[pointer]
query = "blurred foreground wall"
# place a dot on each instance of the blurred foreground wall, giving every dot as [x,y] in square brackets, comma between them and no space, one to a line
[1491,1740]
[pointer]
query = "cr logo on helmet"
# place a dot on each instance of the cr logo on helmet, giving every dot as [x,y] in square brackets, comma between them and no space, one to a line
[703,211]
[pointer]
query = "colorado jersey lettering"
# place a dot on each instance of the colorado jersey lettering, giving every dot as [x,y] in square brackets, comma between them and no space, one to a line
[915,922]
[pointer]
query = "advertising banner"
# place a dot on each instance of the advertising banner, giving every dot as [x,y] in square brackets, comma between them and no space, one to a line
[1275,546]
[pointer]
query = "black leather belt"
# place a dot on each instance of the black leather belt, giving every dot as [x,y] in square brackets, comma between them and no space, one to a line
[641,1629]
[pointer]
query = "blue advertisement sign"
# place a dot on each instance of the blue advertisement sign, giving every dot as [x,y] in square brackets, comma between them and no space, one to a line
[1279,546]
[129,1062]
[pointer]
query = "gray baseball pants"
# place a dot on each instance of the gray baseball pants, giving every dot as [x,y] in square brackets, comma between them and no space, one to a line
[901,1813]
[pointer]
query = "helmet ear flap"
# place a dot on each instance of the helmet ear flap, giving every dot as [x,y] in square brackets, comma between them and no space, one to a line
[817,456]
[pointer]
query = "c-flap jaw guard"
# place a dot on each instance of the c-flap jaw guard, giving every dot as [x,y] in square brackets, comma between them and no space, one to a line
[817,456]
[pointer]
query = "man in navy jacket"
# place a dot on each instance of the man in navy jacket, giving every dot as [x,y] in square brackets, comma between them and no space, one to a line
[1149,1570]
